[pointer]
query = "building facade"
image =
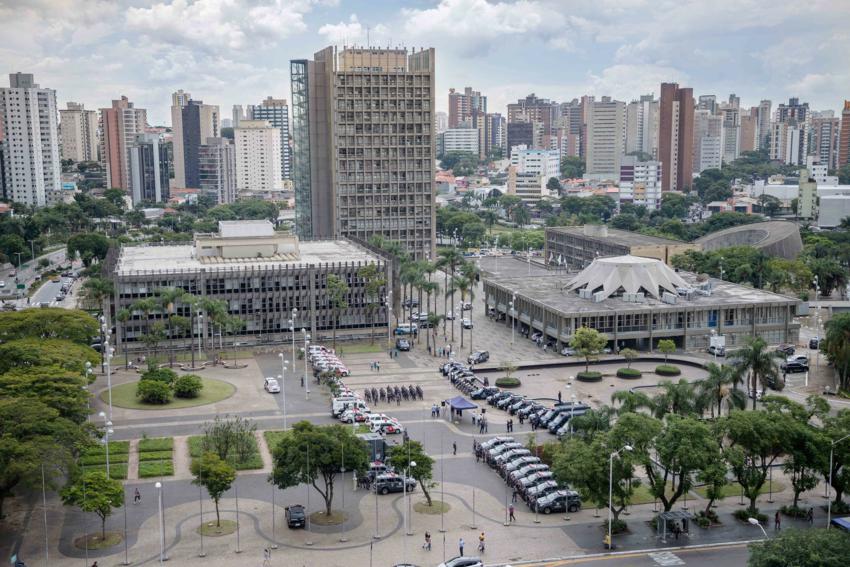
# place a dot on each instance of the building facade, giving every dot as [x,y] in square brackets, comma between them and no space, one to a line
[30,140]
[275,111]
[844,137]
[676,136]
[78,131]
[640,182]
[642,126]
[824,140]
[192,122]
[119,126]
[257,157]
[217,169]
[497,133]
[462,106]
[708,141]
[606,138]
[149,169]
[460,140]
[544,163]
[364,146]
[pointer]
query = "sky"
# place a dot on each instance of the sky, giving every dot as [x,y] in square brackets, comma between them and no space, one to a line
[229,52]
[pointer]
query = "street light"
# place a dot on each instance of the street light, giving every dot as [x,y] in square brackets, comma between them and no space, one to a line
[282,377]
[410,465]
[755,522]
[306,378]
[611,489]
[108,350]
[200,335]
[292,330]
[105,440]
[162,556]
[829,500]
[513,317]
[389,301]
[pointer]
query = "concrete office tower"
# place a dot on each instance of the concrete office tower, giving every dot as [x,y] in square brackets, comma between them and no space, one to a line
[441,122]
[640,182]
[807,196]
[824,140]
[257,157]
[708,146]
[731,132]
[844,137]
[119,126]
[543,163]
[708,102]
[748,139]
[238,115]
[360,174]
[793,111]
[764,120]
[497,132]
[461,140]
[192,122]
[676,136]
[217,168]
[463,105]
[78,131]
[275,111]
[606,138]
[642,126]
[31,163]
[149,166]
[533,109]
[734,101]
[521,134]
[789,143]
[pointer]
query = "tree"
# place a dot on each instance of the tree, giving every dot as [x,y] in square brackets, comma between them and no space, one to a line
[835,428]
[308,452]
[96,290]
[630,355]
[188,386]
[89,245]
[666,347]
[214,474]
[836,346]
[10,246]
[146,305]
[401,456]
[632,401]
[374,282]
[821,547]
[231,438]
[572,167]
[28,352]
[153,392]
[713,476]
[55,387]
[337,291]
[844,174]
[51,323]
[760,362]
[592,422]
[588,343]
[676,398]
[714,389]
[553,185]
[95,492]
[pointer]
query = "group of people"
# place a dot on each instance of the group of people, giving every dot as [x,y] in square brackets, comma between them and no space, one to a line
[509,426]
[375,366]
[445,351]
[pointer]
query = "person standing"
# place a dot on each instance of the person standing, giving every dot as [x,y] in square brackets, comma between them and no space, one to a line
[460,546]
[513,498]
[454,448]
[777,521]
[427,545]
[137,496]
[511,511]
[559,396]
[811,516]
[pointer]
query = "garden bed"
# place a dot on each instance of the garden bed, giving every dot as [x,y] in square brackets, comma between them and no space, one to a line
[94,459]
[589,376]
[255,462]
[629,373]
[667,370]
[156,457]
[508,382]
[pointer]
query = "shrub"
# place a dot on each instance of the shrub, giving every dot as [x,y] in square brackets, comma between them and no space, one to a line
[156,444]
[628,373]
[667,370]
[794,512]
[617,527]
[589,376]
[744,516]
[164,375]
[188,386]
[508,382]
[704,520]
[153,392]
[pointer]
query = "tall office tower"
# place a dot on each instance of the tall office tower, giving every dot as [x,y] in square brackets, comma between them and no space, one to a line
[764,120]
[844,137]
[749,131]
[192,122]
[497,133]
[463,105]
[217,170]
[258,157]
[31,162]
[606,138]
[571,116]
[708,146]
[642,126]
[789,143]
[793,111]
[731,132]
[824,140]
[149,166]
[78,130]
[734,101]
[238,115]
[275,111]
[519,134]
[707,102]
[119,126]
[359,174]
[532,109]
[676,136]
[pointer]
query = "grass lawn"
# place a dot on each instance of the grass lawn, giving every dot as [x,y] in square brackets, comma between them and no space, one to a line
[734,489]
[117,471]
[124,396]
[255,462]
[436,507]
[95,541]
[154,455]
[149,469]
[115,448]
[100,459]
[273,438]
[642,495]
[156,444]
[362,348]
[209,529]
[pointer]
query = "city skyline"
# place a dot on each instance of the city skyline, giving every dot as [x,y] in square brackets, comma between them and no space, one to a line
[236,52]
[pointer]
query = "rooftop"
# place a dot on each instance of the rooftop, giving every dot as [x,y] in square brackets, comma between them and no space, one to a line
[629,274]
[243,228]
[182,258]
[622,237]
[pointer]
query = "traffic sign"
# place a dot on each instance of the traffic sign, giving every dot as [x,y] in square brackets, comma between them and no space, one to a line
[22,286]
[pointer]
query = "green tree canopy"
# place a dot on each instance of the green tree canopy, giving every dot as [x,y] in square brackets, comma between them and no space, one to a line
[401,456]
[46,352]
[588,343]
[214,474]
[94,492]
[572,167]
[54,386]
[89,245]
[51,323]
[821,547]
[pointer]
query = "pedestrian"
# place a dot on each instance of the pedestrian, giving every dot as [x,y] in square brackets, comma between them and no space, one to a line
[474,417]
[811,516]
[427,545]
[94,564]
[137,496]
[378,365]
[559,396]
[481,427]
[481,542]
[777,521]
[486,423]
[676,530]
[454,448]
[460,546]
[511,511]
[514,497]
[521,419]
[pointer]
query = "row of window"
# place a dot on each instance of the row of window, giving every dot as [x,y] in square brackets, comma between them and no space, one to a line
[358,79]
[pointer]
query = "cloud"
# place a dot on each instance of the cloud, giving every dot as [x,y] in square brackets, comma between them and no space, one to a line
[354,32]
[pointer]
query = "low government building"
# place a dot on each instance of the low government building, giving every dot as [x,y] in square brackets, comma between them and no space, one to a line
[260,274]
[637,301]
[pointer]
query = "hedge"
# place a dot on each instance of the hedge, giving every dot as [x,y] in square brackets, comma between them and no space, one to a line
[153,392]
[255,462]
[667,370]
[591,376]
[188,386]
[148,469]
[155,456]
[628,373]
[508,382]
[156,444]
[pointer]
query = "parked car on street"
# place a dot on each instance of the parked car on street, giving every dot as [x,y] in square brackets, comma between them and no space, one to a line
[295,516]
[716,350]
[402,344]
[787,350]
[478,357]
[560,501]
[795,366]
[271,386]
[386,483]
[467,323]
[814,343]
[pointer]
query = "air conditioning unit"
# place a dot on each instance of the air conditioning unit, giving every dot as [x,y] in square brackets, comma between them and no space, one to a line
[629,297]
[640,297]
[598,296]
[670,298]
[585,293]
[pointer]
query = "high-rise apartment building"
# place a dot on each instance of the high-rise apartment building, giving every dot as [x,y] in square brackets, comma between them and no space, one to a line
[793,112]
[540,111]
[31,162]
[217,169]
[462,106]
[640,182]
[707,102]
[441,121]
[642,126]
[789,143]
[192,122]
[238,115]
[824,140]
[764,119]
[78,133]
[708,141]
[119,126]
[606,138]
[676,136]
[497,133]
[257,157]
[275,111]
[748,139]
[521,134]
[149,167]
[844,137]
[731,132]
[460,140]
[357,173]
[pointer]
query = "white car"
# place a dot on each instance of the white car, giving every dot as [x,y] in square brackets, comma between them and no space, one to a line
[271,386]
[2,283]
[467,323]
[450,316]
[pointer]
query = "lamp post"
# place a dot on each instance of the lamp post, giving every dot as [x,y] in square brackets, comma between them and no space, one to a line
[410,465]
[817,318]
[511,304]
[572,411]
[86,388]
[611,490]
[306,378]
[389,301]
[200,336]
[721,268]
[105,440]
[282,377]
[162,556]
[103,339]
[829,500]
[292,330]
[755,522]
[109,350]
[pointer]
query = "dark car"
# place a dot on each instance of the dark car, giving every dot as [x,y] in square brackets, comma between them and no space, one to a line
[539,491]
[787,350]
[559,501]
[814,343]
[507,401]
[402,344]
[795,366]
[295,516]
[533,407]
[386,483]
[482,393]
[496,398]
[478,357]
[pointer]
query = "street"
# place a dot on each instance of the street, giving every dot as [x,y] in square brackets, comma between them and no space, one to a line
[732,554]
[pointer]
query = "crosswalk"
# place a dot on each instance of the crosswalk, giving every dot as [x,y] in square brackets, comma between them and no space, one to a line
[665,558]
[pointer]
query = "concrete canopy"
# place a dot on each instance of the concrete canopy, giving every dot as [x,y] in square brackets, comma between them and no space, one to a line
[628,274]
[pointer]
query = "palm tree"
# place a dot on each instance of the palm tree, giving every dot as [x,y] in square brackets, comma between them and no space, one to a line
[759,362]
[146,305]
[675,397]
[97,290]
[167,297]
[374,281]
[122,317]
[715,388]
[433,322]
[463,285]
[430,288]
[631,402]
[450,259]
[337,290]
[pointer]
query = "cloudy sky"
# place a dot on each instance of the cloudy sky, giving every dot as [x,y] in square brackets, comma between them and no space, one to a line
[237,51]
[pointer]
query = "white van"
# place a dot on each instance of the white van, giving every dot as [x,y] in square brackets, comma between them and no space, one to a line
[407,329]
[339,405]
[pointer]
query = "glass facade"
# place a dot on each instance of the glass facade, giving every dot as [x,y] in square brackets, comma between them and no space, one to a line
[301,178]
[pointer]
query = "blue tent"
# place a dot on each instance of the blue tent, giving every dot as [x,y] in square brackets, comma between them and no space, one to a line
[460,403]
[843,523]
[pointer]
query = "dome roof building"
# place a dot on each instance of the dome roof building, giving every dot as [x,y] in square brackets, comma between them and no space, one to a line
[627,274]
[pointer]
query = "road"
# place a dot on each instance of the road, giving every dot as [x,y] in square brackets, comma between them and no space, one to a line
[732,554]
